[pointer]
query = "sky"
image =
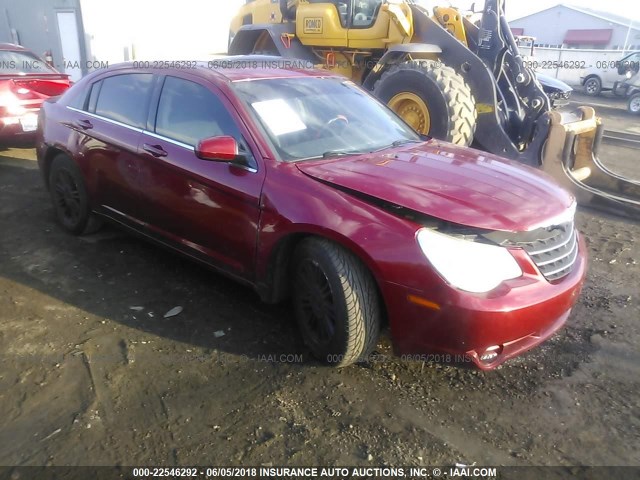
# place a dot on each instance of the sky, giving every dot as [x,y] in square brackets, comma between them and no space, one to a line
[177,30]
[159,29]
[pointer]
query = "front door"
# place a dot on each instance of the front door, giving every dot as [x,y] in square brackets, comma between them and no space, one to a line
[208,208]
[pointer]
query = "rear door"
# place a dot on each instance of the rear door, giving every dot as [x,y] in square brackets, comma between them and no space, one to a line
[210,209]
[109,127]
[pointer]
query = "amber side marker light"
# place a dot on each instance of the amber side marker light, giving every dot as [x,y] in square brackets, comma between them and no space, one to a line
[423,302]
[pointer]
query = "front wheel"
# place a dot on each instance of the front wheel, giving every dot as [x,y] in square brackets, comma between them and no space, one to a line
[634,104]
[336,303]
[432,98]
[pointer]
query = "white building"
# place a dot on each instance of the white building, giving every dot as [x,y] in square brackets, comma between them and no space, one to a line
[570,26]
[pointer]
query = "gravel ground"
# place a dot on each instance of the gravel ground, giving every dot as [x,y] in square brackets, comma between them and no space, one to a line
[93,374]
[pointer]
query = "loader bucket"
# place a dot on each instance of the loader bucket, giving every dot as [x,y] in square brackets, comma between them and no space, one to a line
[571,157]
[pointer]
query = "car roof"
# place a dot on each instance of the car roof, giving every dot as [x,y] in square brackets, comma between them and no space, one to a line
[256,67]
[238,68]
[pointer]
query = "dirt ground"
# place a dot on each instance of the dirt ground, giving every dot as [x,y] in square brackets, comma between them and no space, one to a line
[87,379]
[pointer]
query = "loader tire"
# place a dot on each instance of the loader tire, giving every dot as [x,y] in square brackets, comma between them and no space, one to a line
[432,98]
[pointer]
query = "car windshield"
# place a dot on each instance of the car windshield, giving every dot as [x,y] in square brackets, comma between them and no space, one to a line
[315,117]
[12,62]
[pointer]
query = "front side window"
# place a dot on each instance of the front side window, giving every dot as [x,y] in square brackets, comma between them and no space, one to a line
[365,13]
[125,98]
[189,112]
[319,117]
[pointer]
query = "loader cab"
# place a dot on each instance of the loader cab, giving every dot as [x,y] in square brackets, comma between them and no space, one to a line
[351,13]
[323,23]
[365,13]
[368,24]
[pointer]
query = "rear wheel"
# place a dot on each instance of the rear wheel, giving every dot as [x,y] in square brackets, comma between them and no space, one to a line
[336,303]
[592,86]
[432,98]
[69,197]
[634,104]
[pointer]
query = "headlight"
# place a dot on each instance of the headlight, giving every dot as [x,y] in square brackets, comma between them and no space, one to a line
[470,266]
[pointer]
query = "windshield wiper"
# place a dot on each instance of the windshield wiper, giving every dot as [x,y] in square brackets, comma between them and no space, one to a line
[340,153]
[397,143]
[404,141]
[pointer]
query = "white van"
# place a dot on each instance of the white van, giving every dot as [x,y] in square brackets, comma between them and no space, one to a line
[606,74]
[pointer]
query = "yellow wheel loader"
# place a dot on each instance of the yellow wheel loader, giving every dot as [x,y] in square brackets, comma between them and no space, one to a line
[447,77]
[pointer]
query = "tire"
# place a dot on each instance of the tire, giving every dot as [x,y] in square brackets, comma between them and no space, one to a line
[336,303]
[634,104]
[447,97]
[69,197]
[592,86]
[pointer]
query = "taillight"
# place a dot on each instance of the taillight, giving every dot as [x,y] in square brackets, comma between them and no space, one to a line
[34,88]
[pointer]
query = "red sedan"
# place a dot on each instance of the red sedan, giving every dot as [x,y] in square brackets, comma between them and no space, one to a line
[300,184]
[25,82]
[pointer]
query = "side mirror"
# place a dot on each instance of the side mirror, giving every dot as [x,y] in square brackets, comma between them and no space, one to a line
[218,149]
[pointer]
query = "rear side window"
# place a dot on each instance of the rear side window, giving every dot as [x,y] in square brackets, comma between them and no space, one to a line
[78,96]
[125,98]
[93,97]
[189,112]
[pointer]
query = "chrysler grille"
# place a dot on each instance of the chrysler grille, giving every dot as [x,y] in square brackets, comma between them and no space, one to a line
[556,254]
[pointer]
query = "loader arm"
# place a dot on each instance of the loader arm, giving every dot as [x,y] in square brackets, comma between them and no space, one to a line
[496,111]
[401,18]
[515,118]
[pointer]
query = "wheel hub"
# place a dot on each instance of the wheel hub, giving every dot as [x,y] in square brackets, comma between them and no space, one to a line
[67,193]
[316,301]
[413,110]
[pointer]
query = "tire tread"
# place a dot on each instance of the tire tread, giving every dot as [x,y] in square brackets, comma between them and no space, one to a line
[460,101]
[361,299]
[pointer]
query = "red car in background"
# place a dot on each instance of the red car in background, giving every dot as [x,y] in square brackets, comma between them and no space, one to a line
[26,81]
[300,184]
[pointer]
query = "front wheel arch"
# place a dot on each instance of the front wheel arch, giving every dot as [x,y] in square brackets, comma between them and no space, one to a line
[275,288]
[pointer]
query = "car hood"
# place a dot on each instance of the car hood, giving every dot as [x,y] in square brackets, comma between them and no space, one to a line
[455,184]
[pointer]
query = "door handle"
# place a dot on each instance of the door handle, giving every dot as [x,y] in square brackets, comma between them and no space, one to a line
[83,124]
[155,150]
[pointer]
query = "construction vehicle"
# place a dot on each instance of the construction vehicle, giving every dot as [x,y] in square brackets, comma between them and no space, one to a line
[447,77]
